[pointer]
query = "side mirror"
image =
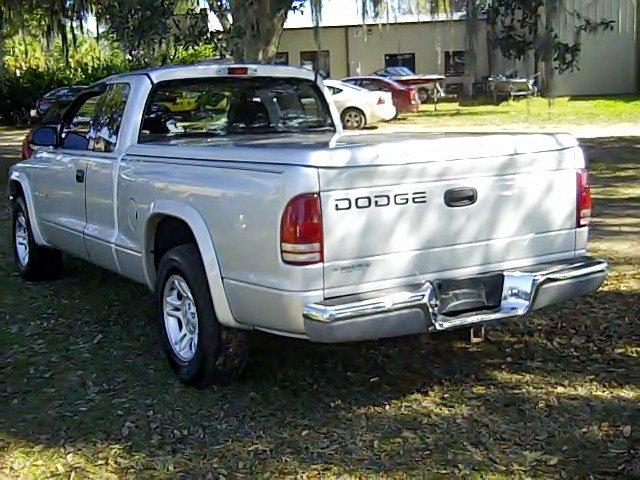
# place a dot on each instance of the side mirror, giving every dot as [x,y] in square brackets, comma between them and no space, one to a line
[46,136]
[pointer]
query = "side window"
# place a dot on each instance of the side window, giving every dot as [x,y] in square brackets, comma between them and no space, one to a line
[368,84]
[109,113]
[76,133]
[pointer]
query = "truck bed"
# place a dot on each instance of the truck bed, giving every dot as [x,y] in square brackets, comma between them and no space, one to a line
[385,218]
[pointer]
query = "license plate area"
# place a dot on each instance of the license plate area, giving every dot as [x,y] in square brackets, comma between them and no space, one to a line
[459,296]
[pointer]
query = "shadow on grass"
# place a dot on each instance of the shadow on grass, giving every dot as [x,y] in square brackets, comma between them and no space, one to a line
[85,370]
[616,98]
[82,370]
[458,113]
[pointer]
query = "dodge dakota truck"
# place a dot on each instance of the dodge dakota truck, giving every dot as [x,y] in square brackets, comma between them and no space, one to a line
[250,209]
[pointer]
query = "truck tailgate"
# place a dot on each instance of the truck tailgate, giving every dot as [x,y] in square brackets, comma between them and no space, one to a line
[392,221]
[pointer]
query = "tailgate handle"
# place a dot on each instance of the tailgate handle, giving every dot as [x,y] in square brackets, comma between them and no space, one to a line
[460,197]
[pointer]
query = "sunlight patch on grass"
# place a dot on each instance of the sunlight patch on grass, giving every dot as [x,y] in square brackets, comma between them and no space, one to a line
[563,110]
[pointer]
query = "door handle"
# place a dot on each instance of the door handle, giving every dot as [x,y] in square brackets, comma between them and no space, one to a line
[460,197]
[80,176]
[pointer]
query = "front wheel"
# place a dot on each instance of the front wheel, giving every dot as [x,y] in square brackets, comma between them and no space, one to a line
[353,119]
[34,261]
[201,352]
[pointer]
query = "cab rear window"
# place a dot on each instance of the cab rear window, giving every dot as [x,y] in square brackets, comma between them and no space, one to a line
[219,107]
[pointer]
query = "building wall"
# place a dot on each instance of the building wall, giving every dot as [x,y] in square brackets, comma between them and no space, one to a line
[428,41]
[608,61]
[366,47]
[333,39]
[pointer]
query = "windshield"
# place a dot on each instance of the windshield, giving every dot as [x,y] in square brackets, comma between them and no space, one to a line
[217,107]
[400,71]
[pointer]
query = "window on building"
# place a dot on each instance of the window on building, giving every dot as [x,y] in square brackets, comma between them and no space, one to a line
[454,63]
[318,61]
[407,60]
[281,58]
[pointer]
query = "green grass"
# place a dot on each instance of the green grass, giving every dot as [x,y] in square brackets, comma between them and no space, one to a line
[563,111]
[85,391]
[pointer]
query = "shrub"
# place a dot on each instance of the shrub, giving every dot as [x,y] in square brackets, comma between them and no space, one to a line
[20,90]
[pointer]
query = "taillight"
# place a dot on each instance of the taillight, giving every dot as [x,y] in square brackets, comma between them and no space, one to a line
[380,101]
[27,151]
[301,230]
[237,71]
[583,200]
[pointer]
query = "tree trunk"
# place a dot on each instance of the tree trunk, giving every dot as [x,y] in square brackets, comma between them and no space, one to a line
[254,35]
[551,10]
[471,24]
[2,19]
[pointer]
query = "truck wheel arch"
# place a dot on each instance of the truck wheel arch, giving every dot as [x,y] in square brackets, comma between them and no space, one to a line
[173,211]
[19,185]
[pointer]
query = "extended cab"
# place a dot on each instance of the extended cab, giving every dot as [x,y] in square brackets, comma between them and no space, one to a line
[231,191]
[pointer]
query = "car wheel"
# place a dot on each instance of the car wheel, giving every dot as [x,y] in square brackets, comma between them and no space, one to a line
[353,119]
[201,352]
[423,95]
[34,261]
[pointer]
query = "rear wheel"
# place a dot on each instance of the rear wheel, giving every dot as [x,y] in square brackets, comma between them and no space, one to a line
[201,352]
[34,261]
[353,119]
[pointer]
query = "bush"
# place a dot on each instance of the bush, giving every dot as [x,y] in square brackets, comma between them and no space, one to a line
[19,91]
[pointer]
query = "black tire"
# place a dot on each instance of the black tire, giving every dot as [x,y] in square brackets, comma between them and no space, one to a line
[221,353]
[353,119]
[41,263]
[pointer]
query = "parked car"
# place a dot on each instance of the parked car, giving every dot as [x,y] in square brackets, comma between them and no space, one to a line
[405,99]
[359,107]
[257,213]
[427,86]
[60,97]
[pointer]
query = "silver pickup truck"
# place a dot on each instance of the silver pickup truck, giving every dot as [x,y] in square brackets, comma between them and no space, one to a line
[231,191]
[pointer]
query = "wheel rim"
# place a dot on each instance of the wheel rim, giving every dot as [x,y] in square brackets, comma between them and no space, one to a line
[180,318]
[352,120]
[22,240]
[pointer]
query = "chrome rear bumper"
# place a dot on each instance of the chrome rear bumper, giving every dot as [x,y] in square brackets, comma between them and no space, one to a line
[416,310]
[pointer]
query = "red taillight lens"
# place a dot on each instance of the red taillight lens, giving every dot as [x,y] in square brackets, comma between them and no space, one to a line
[301,230]
[583,200]
[27,151]
[380,101]
[237,71]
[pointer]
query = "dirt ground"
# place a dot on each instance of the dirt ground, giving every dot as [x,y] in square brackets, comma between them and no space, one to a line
[86,392]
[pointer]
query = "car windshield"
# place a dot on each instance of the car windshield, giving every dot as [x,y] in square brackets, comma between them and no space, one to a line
[345,86]
[400,71]
[65,93]
[218,107]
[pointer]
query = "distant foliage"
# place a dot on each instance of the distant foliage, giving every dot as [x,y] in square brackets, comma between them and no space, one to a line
[518,29]
[157,32]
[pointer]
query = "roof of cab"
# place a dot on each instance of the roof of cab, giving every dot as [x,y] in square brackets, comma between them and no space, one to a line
[215,69]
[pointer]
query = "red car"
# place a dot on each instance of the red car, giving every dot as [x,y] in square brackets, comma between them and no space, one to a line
[426,85]
[405,99]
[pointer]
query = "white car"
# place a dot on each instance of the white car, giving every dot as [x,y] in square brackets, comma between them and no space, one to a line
[359,107]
